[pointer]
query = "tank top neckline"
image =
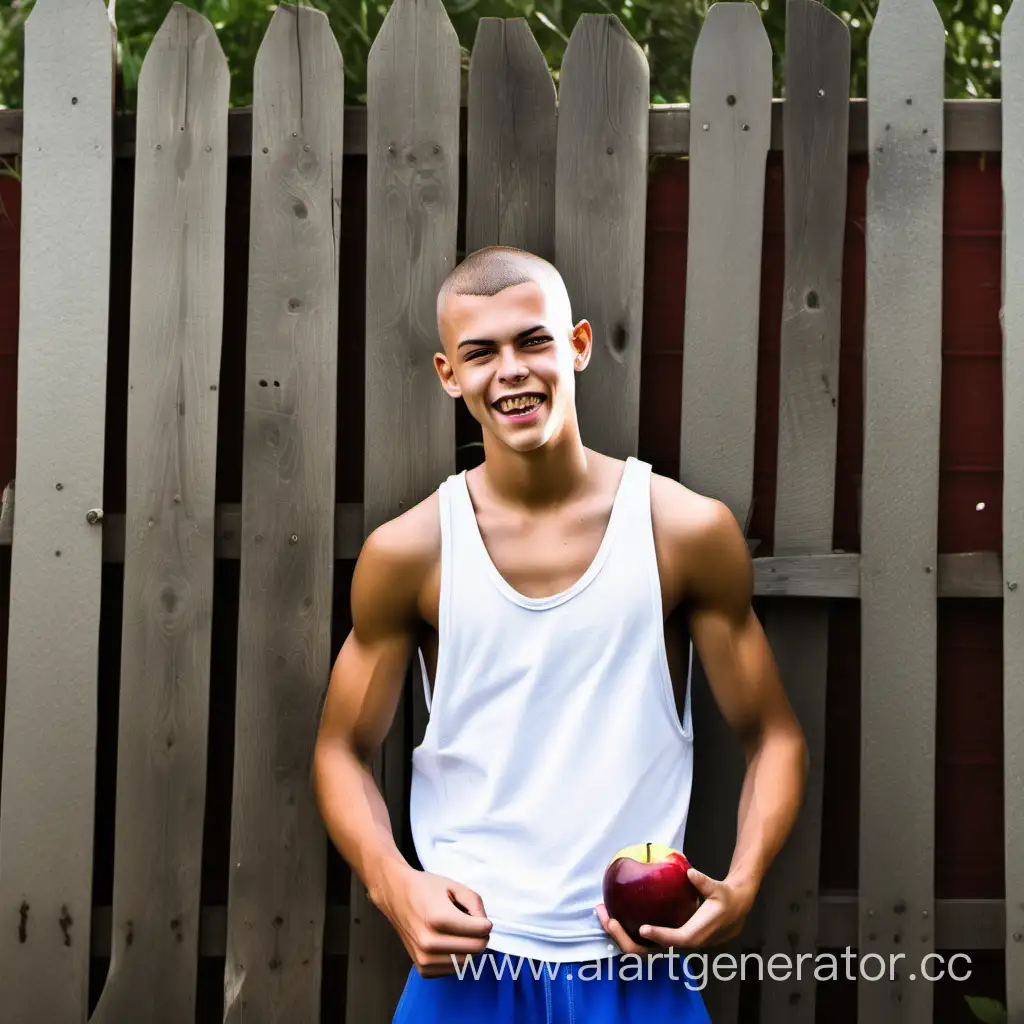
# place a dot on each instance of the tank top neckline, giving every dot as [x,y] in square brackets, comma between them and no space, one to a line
[592,570]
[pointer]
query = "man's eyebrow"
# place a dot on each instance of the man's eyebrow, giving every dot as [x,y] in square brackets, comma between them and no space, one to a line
[489,341]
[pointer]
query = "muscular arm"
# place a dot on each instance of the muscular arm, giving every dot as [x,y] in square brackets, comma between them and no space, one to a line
[363,694]
[744,679]
[705,570]
[394,590]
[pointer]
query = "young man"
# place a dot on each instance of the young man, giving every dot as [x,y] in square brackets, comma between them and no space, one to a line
[544,589]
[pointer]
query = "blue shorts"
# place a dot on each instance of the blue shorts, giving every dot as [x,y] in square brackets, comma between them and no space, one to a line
[502,989]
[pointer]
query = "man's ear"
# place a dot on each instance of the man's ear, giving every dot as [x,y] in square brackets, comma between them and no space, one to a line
[447,375]
[582,340]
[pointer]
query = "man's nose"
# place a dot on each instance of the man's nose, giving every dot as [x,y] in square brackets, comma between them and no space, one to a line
[511,369]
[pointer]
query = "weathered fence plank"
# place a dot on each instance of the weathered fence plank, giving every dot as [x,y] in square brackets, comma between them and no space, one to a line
[49,754]
[600,219]
[278,846]
[1012,63]
[817,87]
[903,368]
[174,366]
[412,219]
[731,122]
[511,138]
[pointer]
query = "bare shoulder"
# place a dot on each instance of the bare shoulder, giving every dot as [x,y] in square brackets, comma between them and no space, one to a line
[397,560]
[410,539]
[701,547]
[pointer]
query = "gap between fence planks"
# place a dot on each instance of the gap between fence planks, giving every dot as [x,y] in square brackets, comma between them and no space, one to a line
[817,86]
[49,752]
[277,871]
[899,526]
[731,93]
[1012,63]
[174,365]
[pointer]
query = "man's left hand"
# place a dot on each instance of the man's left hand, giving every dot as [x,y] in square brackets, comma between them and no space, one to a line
[719,918]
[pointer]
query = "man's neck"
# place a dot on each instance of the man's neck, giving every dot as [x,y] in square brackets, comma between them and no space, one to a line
[547,476]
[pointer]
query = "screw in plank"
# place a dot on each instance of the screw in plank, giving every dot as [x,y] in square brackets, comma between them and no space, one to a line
[94,515]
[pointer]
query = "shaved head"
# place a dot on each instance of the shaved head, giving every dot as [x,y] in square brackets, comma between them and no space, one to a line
[496,267]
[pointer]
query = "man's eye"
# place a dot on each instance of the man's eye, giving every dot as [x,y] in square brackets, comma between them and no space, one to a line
[536,341]
[478,352]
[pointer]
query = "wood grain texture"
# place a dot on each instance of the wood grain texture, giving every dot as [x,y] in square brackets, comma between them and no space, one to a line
[817,86]
[511,135]
[49,753]
[729,132]
[600,220]
[1012,580]
[278,846]
[902,378]
[731,96]
[412,219]
[174,367]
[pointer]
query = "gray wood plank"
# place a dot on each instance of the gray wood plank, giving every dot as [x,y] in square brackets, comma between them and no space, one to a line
[731,116]
[174,368]
[49,754]
[600,219]
[903,366]
[278,845]
[817,87]
[412,219]
[1012,57]
[731,96]
[512,126]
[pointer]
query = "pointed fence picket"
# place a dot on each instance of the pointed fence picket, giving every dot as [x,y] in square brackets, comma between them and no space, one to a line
[566,176]
[47,798]
[174,369]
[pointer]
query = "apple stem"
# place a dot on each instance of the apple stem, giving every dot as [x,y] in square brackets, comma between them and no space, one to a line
[648,853]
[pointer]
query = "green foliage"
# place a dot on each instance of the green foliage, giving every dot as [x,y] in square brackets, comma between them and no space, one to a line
[989,1011]
[666,29]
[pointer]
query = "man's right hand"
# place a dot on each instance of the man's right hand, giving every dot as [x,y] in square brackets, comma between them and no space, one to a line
[435,916]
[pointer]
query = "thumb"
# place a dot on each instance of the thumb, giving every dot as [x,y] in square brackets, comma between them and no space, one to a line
[466,899]
[704,884]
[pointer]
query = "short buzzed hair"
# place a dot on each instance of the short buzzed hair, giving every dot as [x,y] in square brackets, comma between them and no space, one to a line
[495,268]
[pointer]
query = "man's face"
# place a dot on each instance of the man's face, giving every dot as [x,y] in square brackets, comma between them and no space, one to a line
[512,357]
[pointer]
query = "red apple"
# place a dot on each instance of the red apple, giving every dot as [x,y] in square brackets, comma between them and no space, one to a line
[648,884]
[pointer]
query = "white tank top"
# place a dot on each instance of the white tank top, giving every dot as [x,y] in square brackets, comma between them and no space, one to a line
[553,739]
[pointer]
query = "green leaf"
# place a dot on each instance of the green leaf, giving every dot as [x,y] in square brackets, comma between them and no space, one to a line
[989,1011]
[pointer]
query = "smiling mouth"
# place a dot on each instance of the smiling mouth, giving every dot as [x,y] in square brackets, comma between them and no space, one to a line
[518,405]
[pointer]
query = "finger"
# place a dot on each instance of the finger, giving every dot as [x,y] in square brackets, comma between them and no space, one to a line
[441,944]
[618,933]
[449,922]
[468,901]
[704,884]
[693,933]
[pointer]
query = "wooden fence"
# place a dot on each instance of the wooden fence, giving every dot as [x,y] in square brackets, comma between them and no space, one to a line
[566,176]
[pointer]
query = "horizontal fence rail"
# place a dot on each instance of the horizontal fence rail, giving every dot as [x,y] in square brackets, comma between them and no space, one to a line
[971,126]
[960,574]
